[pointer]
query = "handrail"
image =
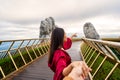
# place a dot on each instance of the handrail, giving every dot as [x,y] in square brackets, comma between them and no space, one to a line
[99,53]
[109,43]
[104,44]
[13,50]
[23,39]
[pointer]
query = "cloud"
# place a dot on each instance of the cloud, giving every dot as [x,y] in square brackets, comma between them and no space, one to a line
[16,31]
[22,18]
[27,11]
[91,10]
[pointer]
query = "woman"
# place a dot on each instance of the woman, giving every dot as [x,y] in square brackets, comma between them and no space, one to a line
[59,61]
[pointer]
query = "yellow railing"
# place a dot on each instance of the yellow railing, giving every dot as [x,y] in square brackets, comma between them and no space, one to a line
[103,57]
[17,54]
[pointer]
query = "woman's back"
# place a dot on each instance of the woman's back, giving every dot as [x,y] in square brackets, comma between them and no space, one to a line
[60,60]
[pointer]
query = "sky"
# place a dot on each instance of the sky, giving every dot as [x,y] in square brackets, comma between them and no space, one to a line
[20,19]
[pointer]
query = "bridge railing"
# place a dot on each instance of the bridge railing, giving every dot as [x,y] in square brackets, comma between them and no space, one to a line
[103,57]
[17,54]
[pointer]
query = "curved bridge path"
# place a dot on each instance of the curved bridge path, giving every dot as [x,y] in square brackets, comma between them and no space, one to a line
[39,70]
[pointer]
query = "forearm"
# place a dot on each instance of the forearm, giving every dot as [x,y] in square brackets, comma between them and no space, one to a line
[67,70]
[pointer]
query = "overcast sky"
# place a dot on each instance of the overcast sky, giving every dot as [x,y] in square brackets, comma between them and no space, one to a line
[21,18]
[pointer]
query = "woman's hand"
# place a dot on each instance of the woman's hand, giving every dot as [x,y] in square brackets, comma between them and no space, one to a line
[74,35]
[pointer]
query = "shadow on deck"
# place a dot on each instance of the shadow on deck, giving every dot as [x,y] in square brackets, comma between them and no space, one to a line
[39,70]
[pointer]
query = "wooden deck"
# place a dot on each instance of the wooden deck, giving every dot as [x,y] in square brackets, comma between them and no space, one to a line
[39,70]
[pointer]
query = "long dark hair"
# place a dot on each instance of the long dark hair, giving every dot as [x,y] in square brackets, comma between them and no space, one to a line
[56,41]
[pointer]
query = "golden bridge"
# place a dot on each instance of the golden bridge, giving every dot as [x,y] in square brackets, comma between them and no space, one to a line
[26,59]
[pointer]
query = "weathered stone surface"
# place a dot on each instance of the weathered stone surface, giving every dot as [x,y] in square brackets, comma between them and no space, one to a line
[90,31]
[46,27]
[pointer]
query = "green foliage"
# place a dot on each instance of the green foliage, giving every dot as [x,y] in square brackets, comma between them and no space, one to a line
[89,55]
[116,74]
[117,53]
[105,68]
[96,64]
[92,59]
[9,67]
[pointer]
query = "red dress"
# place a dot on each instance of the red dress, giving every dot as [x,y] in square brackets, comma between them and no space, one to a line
[61,59]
